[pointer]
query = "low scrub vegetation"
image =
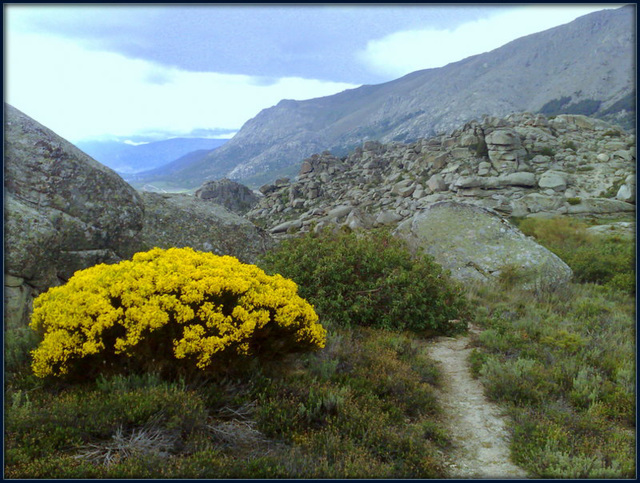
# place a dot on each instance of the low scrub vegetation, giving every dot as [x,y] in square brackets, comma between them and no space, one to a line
[364,407]
[561,364]
[370,279]
[594,258]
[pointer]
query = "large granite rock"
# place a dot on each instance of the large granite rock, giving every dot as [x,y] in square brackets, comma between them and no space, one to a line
[505,150]
[177,220]
[63,212]
[478,245]
[233,196]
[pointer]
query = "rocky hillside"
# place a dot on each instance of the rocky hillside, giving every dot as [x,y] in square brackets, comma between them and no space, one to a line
[584,67]
[64,212]
[522,165]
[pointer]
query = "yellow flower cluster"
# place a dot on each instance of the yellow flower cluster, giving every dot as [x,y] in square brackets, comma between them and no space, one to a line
[217,303]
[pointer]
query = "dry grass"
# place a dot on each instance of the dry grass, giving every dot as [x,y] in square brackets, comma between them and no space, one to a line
[123,445]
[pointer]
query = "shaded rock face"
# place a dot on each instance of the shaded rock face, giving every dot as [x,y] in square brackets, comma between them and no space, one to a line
[176,220]
[478,245]
[63,212]
[233,196]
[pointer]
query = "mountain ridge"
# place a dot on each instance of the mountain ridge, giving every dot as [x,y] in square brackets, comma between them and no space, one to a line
[589,59]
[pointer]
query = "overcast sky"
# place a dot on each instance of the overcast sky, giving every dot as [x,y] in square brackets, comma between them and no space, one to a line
[105,70]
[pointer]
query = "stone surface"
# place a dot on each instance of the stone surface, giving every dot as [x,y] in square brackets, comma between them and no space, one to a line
[233,196]
[388,218]
[476,244]
[556,180]
[625,229]
[600,206]
[627,191]
[63,212]
[178,220]
[376,178]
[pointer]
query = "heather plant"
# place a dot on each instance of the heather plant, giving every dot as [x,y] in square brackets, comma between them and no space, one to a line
[371,414]
[166,307]
[600,259]
[563,367]
[371,279]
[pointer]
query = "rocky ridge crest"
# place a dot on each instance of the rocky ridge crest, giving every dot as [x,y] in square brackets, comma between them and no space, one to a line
[520,165]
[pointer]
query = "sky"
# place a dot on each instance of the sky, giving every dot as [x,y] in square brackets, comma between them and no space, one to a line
[143,72]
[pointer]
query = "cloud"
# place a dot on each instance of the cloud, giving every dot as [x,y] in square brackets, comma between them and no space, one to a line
[270,41]
[407,51]
[82,94]
[133,143]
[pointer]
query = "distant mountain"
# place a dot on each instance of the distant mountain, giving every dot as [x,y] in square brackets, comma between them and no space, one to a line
[163,173]
[127,158]
[584,67]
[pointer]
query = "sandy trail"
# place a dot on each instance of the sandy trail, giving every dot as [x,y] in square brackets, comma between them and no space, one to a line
[477,429]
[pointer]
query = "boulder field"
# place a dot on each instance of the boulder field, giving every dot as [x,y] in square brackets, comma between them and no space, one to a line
[519,166]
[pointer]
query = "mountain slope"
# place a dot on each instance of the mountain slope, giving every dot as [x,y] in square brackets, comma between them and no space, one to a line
[590,61]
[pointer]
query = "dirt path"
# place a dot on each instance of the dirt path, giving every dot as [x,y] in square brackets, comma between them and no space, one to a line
[477,429]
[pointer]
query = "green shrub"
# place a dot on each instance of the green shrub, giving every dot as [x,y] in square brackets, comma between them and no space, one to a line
[612,190]
[521,382]
[370,279]
[555,106]
[586,107]
[18,344]
[574,201]
[482,150]
[165,307]
[605,260]
[547,151]
[374,417]
[564,369]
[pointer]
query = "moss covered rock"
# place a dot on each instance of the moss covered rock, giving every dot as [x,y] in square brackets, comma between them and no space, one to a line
[476,244]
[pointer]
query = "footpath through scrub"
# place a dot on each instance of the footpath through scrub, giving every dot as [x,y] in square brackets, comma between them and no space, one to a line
[476,426]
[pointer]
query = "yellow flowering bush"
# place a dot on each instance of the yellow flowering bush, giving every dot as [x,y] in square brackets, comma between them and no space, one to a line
[176,304]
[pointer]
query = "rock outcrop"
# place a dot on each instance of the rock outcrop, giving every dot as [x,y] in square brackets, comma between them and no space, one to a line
[178,220]
[233,196]
[476,244]
[522,165]
[63,212]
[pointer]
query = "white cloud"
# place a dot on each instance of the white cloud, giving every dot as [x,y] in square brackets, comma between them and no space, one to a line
[81,94]
[403,52]
[133,143]
[225,136]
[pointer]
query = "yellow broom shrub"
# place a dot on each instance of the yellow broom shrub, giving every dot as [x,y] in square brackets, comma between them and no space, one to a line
[176,304]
